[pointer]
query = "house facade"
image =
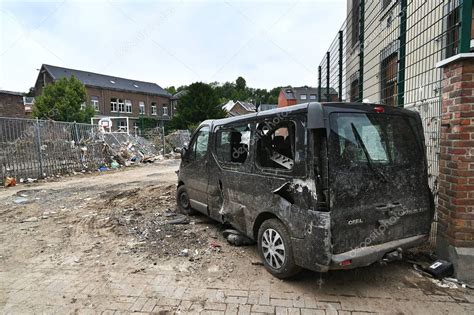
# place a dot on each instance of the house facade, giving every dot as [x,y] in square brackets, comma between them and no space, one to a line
[114,97]
[11,104]
[297,95]
[238,108]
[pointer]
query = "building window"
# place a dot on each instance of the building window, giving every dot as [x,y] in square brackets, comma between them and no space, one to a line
[388,80]
[452,28]
[113,105]
[354,89]
[312,97]
[83,105]
[154,110]
[165,110]
[385,4]
[128,106]
[121,105]
[303,97]
[95,103]
[355,22]
[142,107]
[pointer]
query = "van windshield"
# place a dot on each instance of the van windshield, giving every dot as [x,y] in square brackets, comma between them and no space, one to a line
[374,139]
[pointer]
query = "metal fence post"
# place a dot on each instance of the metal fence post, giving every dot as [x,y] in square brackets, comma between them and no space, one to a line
[466,22]
[76,131]
[319,84]
[38,148]
[328,74]
[361,49]
[341,55]
[402,53]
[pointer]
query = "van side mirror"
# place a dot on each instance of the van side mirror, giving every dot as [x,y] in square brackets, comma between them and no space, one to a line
[184,150]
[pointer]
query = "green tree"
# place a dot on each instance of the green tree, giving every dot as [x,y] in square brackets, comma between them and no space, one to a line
[62,101]
[31,92]
[171,90]
[240,83]
[200,103]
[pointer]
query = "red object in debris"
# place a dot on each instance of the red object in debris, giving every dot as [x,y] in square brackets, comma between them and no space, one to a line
[346,262]
[9,182]
[379,109]
[215,245]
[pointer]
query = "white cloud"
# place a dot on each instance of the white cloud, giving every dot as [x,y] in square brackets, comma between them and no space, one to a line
[269,43]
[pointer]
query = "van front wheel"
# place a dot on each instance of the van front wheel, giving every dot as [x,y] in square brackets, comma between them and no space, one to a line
[274,246]
[182,199]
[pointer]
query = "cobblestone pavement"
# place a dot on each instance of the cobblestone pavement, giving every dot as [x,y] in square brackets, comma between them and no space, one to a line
[62,273]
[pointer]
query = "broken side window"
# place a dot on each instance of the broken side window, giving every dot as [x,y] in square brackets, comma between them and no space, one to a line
[276,145]
[199,144]
[232,144]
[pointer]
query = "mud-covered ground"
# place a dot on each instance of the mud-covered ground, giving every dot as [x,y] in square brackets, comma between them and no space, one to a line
[114,242]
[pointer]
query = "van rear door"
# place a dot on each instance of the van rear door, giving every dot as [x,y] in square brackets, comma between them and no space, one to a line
[377,177]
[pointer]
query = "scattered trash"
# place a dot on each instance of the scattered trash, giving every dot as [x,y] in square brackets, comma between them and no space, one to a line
[184,253]
[31,180]
[182,220]
[32,219]
[114,165]
[103,168]
[236,238]
[257,263]
[20,200]
[215,245]
[440,269]
[9,182]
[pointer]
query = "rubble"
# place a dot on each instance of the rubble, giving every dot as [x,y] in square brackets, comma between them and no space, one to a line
[178,139]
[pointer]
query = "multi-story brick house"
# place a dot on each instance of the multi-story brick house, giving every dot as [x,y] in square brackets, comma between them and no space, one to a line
[11,104]
[113,96]
[291,96]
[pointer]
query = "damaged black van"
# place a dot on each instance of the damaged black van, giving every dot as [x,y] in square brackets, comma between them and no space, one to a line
[317,186]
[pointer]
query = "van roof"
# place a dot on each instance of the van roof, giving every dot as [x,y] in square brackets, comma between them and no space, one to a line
[312,107]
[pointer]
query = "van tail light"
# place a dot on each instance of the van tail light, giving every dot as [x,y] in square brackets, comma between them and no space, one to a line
[379,109]
[345,262]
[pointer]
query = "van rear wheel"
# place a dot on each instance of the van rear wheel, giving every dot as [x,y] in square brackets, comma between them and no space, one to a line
[274,246]
[182,199]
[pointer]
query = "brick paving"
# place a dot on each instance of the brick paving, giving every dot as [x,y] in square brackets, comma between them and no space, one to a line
[48,289]
[64,282]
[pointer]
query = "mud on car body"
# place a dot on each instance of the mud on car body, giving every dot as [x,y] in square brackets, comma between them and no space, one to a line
[317,186]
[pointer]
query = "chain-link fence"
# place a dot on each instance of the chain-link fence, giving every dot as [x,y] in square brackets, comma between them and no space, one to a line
[386,52]
[38,148]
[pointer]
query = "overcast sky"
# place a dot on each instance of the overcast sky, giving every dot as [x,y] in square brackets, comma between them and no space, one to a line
[269,43]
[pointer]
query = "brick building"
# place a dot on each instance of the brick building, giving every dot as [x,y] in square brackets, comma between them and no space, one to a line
[11,104]
[291,96]
[113,96]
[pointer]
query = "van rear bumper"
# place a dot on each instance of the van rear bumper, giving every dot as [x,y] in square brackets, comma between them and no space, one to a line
[365,256]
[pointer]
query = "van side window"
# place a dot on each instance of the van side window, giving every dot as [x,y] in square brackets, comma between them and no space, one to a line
[200,144]
[232,144]
[276,145]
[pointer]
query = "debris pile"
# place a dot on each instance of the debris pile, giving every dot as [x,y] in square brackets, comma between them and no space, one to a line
[125,149]
[178,139]
[147,220]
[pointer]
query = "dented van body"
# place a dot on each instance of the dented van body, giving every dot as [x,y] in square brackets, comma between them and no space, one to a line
[332,185]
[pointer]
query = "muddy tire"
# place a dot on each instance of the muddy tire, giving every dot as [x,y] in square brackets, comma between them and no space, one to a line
[182,200]
[274,247]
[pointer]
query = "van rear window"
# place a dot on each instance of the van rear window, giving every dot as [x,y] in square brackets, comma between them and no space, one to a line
[358,138]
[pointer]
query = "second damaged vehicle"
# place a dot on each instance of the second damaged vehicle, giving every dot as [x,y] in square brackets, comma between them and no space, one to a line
[317,186]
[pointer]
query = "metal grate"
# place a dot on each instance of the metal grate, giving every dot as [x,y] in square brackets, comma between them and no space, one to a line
[386,52]
[39,148]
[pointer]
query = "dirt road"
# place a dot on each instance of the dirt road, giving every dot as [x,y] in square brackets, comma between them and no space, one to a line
[113,243]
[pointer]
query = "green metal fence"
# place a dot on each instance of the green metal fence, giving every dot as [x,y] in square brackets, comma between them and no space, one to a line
[386,52]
